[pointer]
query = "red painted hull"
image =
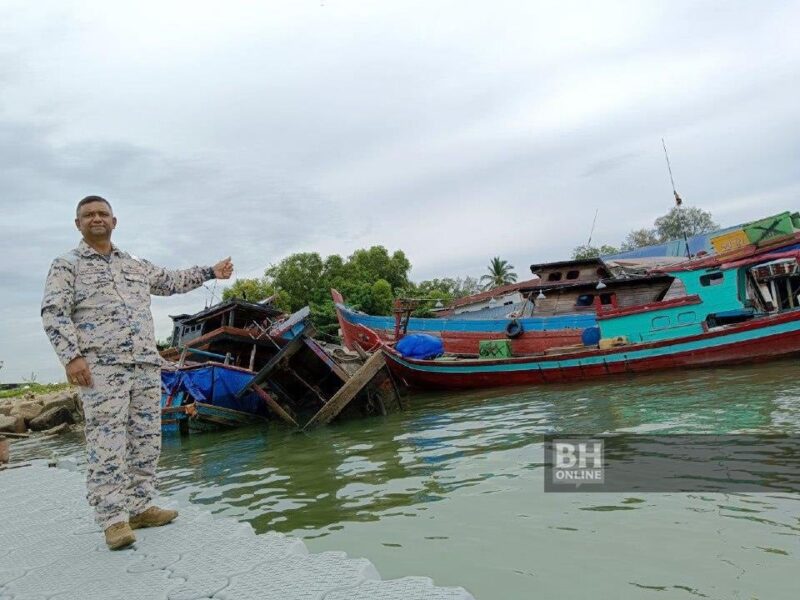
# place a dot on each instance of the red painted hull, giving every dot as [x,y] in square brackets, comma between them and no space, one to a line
[464,342]
[575,366]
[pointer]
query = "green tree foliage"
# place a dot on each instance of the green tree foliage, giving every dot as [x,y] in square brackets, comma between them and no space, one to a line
[679,221]
[586,251]
[252,290]
[368,279]
[382,297]
[447,287]
[299,275]
[375,263]
[640,238]
[500,273]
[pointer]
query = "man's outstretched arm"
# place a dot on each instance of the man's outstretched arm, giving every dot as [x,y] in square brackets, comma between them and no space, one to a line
[165,282]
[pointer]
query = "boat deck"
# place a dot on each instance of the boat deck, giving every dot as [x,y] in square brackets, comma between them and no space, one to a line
[51,548]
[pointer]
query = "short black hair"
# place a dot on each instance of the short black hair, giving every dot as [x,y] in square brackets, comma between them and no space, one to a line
[89,199]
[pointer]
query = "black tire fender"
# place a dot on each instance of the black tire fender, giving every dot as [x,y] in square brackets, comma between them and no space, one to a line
[514,329]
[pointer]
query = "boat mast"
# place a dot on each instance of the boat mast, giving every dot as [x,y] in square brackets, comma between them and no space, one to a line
[591,231]
[678,200]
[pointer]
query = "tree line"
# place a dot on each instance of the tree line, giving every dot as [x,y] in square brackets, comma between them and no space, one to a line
[369,279]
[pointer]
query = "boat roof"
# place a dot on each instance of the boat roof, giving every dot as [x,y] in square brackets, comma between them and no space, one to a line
[717,260]
[772,257]
[498,291]
[611,282]
[583,262]
[267,310]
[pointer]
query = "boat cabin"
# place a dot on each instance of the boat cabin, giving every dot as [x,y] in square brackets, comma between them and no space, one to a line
[500,301]
[237,313]
[597,296]
[714,297]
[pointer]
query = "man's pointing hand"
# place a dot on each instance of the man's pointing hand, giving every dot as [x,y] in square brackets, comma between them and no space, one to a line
[223,269]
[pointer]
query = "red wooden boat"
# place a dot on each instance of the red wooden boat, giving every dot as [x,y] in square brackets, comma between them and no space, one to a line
[550,311]
[745,311]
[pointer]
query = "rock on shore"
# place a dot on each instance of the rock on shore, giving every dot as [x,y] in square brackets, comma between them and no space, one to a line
[40,412]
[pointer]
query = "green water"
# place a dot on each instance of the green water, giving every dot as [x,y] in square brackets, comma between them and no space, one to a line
[453,489]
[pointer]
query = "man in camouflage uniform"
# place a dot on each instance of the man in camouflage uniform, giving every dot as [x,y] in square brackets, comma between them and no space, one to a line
[96,312]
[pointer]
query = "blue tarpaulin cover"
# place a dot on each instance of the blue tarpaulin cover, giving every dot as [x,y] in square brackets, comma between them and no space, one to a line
[420,345]
[213,384]
[590,336]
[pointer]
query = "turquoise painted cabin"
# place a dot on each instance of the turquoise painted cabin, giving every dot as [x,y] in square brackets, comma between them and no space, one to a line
[708,292]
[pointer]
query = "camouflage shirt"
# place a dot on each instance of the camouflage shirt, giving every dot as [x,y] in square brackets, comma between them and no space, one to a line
[99,306]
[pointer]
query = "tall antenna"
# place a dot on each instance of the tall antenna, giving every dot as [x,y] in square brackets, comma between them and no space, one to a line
[591,231]
[678,200]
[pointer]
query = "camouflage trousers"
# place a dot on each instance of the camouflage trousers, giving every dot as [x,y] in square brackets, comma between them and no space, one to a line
[123,439]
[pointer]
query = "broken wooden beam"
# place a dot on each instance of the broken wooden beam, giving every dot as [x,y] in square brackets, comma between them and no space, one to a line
[275,407]
[287,351]
[326,358]
[360,351]
[348,391]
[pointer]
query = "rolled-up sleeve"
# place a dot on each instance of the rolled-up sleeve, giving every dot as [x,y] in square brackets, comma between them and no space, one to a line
[57,306]
[165,282]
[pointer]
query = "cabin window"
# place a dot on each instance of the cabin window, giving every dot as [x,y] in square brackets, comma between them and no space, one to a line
[584,300]
[606,299]
[554,276]
[712,279]
[660,322]
[573,274]
[685,318]
[508,303]
[601,273]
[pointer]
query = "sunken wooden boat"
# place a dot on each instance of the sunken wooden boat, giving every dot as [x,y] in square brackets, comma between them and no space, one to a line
[744,310]
[203,397]
[239,363]
[552,310]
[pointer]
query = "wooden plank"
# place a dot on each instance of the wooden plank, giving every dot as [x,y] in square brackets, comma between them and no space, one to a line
[235,414]
[275,407]
[313,389]
[348,391]
[253,356]
[360,351]
[287,351]
[325,357]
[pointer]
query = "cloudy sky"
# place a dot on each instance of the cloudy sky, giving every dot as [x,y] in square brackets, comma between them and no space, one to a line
[455,131]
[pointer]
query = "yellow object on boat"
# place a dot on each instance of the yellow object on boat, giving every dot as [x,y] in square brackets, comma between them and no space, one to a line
[732,240]
[613,342]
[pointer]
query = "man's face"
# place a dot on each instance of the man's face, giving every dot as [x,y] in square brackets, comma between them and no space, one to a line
[95,221]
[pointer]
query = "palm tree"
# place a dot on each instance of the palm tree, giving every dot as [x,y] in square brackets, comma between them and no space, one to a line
[500,273]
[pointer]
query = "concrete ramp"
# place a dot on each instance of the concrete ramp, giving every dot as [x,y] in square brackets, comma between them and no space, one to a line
[50,548]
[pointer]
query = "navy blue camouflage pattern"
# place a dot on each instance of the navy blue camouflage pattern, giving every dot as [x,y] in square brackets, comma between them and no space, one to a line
[98,307]
[123,439]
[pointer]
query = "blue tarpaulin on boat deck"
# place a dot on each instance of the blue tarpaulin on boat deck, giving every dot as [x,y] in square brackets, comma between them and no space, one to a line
[420,345]
[214,384]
